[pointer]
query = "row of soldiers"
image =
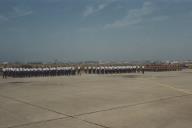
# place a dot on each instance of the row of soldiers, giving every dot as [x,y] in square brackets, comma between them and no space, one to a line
[113,69]
[69,71]
[163,67]
[35,72]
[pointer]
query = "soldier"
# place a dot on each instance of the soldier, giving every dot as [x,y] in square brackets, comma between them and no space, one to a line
[19,72]
[4,73]
[137,69]
[16,72]
[120,69]
[13,72]
[85,70]
[70,69]
[94,70]
[62,71]
[112,69]
[106,69]
[89,70]
[73,70]
[143,69]
[130,69]
[97,70]
[30,72]
[27,72]
[55,71]
[134,69]
[48,71]
[58,71]
[35,72]
[123,69]
[67,71]
[24,72]
[79,70]
[8,72]
[117,69]
[52,71]
[38,72]
[102,70]
[43,72]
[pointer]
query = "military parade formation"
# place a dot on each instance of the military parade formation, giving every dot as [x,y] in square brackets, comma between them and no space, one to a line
[44,71]
[69,71]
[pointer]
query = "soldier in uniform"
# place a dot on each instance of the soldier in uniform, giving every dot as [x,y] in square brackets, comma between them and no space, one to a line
[70,69]
[67,71]
[106,69]
[94,70]
[58,71]
[111,70]
[97,70]
[62,71]
[121,69]
[102,70]
[143,69]
[117,69]
[79,70]
[4,73]
[85,70]
[137,69]
[73,70]
[89,70]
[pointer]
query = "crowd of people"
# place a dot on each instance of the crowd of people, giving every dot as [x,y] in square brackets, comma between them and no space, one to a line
[69,71]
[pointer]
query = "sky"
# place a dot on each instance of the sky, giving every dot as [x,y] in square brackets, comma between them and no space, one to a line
[84,30]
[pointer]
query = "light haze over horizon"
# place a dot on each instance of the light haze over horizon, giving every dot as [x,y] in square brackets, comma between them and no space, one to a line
[82,30]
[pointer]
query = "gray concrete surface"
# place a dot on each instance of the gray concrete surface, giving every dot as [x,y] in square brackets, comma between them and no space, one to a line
[152,100]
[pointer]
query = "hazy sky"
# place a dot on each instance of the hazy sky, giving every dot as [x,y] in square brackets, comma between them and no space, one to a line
[79,30]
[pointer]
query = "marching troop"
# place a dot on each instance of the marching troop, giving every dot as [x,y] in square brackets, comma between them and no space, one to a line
[69,71]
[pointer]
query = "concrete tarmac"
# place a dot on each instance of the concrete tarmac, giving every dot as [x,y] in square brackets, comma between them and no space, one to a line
[152,100]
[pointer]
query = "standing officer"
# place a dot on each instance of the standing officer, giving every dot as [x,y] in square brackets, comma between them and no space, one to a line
[79,70]
[89,70]
[4,73]
[143,69]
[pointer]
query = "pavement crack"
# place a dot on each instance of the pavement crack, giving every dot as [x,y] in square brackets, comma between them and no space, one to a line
[168,86]
[50,110]
[95,124]
[131,105]
[36,122]
[37,106]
